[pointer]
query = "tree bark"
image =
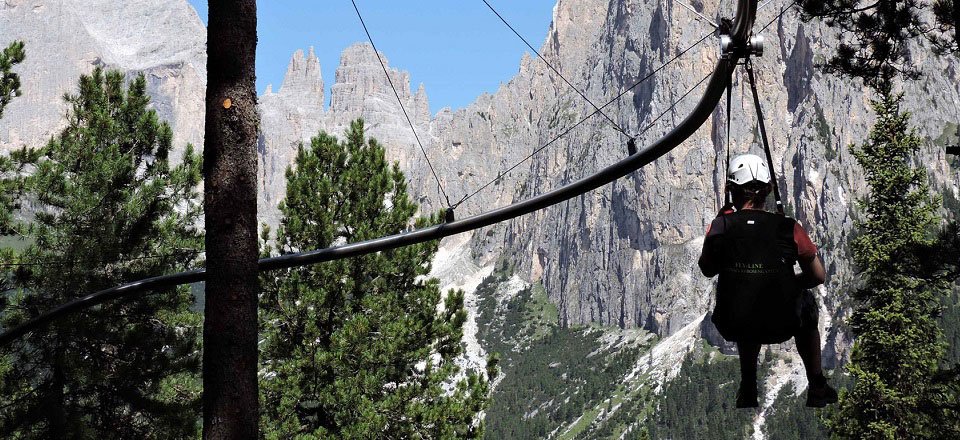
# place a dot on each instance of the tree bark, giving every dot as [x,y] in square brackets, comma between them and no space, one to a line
[956,23]
[230,400]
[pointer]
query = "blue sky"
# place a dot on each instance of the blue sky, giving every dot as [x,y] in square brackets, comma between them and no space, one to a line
[456,48]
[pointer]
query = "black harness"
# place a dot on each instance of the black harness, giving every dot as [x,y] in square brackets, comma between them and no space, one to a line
[758,298]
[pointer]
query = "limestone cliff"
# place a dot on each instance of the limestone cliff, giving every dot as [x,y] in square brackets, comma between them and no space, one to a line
[163,39]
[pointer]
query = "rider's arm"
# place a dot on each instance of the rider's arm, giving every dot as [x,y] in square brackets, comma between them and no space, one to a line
[812,273]
[707,263]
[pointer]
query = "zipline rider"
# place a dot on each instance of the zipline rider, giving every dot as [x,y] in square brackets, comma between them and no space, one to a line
[760,300]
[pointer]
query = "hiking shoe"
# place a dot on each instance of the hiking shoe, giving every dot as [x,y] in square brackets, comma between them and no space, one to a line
[747,395]
[820,393]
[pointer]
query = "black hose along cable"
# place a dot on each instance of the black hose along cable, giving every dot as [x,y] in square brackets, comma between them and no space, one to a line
[588,116]
[743,23]
[400,101]
[555,70]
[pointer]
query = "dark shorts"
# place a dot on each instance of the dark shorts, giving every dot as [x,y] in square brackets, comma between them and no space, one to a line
[809,311]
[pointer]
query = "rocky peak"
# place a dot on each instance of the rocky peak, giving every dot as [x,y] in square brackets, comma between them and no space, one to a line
[303,83]
[360,79]
[421,106]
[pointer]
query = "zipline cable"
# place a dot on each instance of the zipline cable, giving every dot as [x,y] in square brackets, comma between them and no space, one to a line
[743,23]
[555,70]
[400,101]
[585,118]
[602,177]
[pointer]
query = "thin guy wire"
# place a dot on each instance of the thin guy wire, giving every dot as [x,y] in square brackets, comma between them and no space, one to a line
[699,16]
[782,11]
[555,70]
[672,106]
[584,119]
[400,101]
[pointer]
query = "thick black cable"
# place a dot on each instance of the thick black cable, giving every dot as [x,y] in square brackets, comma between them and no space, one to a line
[685,129]
[763,136]
[555,70]
[745,14]
[400,101]
[585,118]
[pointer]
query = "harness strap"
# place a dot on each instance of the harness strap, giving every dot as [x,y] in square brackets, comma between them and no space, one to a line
[728,195]
[763,136]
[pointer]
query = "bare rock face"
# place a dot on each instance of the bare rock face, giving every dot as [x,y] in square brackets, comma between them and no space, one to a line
[163,39]
[303,83]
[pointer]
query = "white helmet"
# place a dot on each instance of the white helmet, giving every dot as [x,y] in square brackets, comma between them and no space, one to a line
[746,168]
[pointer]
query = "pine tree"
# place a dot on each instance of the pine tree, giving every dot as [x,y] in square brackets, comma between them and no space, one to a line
[105,207]
[9,89]
[876,37]
[897,347]
[364,347]
[9,80]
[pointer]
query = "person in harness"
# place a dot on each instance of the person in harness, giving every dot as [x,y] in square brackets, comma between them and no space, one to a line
[760,299]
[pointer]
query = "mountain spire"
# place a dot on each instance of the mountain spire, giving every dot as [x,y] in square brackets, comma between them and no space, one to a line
[303,83]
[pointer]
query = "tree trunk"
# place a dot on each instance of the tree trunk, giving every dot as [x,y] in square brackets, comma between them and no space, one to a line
[956,23]
[230,400]
[56,412]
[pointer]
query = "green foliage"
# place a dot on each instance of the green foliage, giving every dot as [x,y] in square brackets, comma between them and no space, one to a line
[897,345]
[551,375]
[875,38]
[9,88]
[946,22]
[356,348]
[950,323]
[700,403]
[824,134]
[790,419]
[10,81]
[106,208]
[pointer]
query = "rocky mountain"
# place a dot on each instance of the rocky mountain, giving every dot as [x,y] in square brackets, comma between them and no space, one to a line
[621,257]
